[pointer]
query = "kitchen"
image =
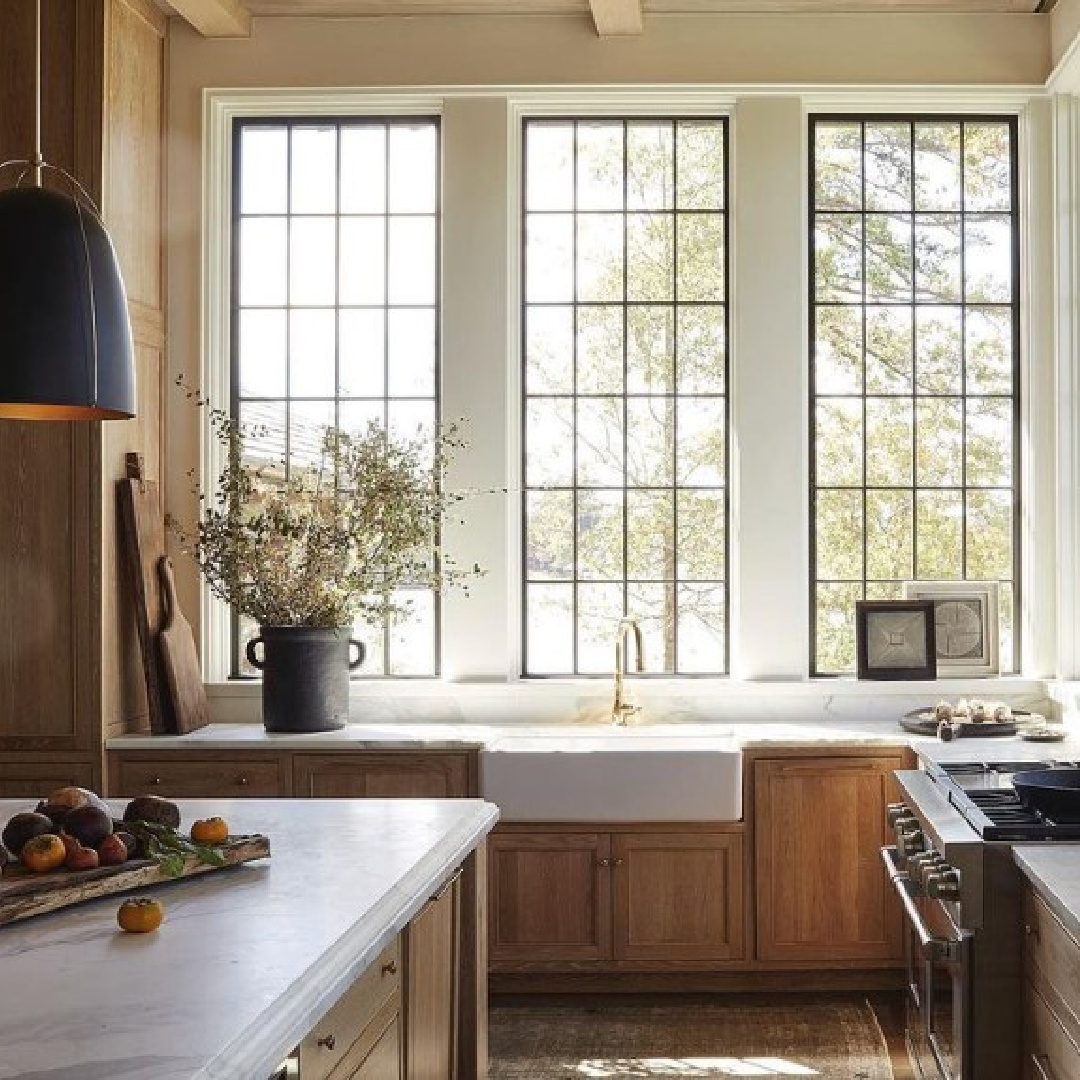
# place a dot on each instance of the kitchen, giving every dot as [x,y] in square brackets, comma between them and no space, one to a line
[154,156]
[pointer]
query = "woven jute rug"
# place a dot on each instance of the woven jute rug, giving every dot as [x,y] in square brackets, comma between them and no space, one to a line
[829,1036]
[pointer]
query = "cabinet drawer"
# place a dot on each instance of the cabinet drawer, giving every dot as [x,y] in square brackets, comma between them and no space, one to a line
[194,778]
[1053,962]
[333,1039]
[1049,1054]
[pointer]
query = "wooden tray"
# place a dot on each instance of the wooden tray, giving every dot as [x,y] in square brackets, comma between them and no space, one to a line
[922,722]
[24,893]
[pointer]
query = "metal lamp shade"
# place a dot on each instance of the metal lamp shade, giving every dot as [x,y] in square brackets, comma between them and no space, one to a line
[65,341]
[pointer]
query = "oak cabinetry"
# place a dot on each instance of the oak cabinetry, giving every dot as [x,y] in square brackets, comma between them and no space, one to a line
[383,775]
[629,897]
[431,989]
[70,673]
[198,776]
[1051,994]
[820,890]
[34,780]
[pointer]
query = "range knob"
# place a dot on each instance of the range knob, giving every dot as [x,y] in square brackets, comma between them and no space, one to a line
[924,864]
[894,812]
[943,884]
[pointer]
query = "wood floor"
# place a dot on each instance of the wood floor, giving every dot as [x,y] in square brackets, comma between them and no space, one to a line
[832,1036]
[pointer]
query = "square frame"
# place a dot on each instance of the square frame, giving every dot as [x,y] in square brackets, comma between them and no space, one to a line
[963,610]
[895,639]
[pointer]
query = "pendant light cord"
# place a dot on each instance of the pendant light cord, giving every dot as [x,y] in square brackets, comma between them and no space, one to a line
[37,161]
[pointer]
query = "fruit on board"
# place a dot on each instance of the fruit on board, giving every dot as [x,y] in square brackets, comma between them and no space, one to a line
[155,809]
[88,825]
[5,857]
[43,853]
[214,830]
[71,845]
[82,858]
[63,800]
[135,849]
[140,915]
[23,827]
[112,851]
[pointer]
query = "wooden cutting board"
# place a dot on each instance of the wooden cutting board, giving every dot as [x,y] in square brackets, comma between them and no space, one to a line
[144,536]
[180,659]
[24,894]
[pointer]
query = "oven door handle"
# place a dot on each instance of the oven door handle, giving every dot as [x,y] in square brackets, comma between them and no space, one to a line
[904,887]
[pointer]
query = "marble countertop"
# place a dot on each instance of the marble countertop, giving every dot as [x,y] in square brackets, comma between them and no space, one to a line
[248,959]
[459,736]
[1054,870]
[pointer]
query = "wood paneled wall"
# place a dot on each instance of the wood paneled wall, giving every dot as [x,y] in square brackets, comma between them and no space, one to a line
[68,667]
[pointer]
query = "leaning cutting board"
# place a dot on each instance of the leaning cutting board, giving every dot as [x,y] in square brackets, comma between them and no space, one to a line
[23,894]
[144,535]
[180,659]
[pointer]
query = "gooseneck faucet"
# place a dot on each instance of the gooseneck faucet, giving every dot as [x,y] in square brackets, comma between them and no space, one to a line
[621,709]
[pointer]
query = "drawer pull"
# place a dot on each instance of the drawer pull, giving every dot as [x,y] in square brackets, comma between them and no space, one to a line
[327,1041]
[603,863]
[617,862]
[389,968]
[446,885]
[242,780]
[1042,1063]
[155,781]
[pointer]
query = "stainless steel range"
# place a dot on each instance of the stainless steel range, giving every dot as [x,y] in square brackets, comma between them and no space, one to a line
[953,870]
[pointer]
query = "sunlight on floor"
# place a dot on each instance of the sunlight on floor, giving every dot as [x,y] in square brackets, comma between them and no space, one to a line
[690,1066]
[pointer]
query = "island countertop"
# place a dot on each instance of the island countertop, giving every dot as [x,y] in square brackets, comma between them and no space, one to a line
[248,959]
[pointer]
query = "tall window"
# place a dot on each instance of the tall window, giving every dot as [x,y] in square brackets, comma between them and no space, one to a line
[335,306]
[914,395]
[625,384]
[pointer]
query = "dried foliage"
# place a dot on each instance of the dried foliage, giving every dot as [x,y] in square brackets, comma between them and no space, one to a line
[319,545]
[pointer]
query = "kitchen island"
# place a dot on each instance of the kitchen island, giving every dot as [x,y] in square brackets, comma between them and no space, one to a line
[250,959]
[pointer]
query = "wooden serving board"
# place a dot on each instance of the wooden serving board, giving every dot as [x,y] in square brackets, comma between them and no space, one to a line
[24,893]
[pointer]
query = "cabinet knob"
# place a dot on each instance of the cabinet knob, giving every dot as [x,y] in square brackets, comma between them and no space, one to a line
[603,863]
[328,1041]
[617,862]
[242,780]
[155,781]
[389,968]
[1031,931]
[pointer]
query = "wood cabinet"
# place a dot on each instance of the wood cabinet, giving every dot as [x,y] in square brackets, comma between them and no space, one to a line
[342,774]
[820,888]
[634,896]
[35,779]
[1051,994]
[200,776]
[69,663]
[383,775]
[431,988]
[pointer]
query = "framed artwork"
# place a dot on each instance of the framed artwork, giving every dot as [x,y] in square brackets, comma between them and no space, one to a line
[895,639]
[965,624]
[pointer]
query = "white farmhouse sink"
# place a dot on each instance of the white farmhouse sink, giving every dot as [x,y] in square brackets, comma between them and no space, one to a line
[616,775]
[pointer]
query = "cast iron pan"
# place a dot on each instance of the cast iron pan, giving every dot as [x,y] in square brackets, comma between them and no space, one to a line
[1053,792]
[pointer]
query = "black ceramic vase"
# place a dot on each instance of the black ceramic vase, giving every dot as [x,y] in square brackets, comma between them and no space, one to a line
[305,676]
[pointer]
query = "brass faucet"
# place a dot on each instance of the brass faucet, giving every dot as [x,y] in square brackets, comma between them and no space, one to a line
[621,709]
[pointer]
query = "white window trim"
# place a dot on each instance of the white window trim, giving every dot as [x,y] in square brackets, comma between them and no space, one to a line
[481,636]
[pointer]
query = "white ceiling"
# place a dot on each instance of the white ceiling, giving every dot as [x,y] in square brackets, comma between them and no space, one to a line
[523,7]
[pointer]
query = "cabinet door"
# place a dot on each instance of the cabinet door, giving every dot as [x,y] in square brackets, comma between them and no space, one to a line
[431,988]
[213,776]
[678,896]
[34,780]
[549,897]
[405,775]
[819,824]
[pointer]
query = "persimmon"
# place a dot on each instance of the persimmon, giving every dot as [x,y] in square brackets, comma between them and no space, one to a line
[140,915]
[214,830]
[43,853]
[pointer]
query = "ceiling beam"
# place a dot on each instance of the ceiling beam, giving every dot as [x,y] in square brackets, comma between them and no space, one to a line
[617,18]
[215,18]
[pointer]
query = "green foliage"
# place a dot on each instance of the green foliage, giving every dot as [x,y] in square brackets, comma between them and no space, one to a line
[316,544]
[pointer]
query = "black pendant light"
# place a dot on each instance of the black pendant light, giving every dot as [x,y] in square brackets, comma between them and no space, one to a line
[65,340]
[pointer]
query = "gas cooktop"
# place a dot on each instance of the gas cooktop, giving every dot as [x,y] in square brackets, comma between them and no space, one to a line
[983,793]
